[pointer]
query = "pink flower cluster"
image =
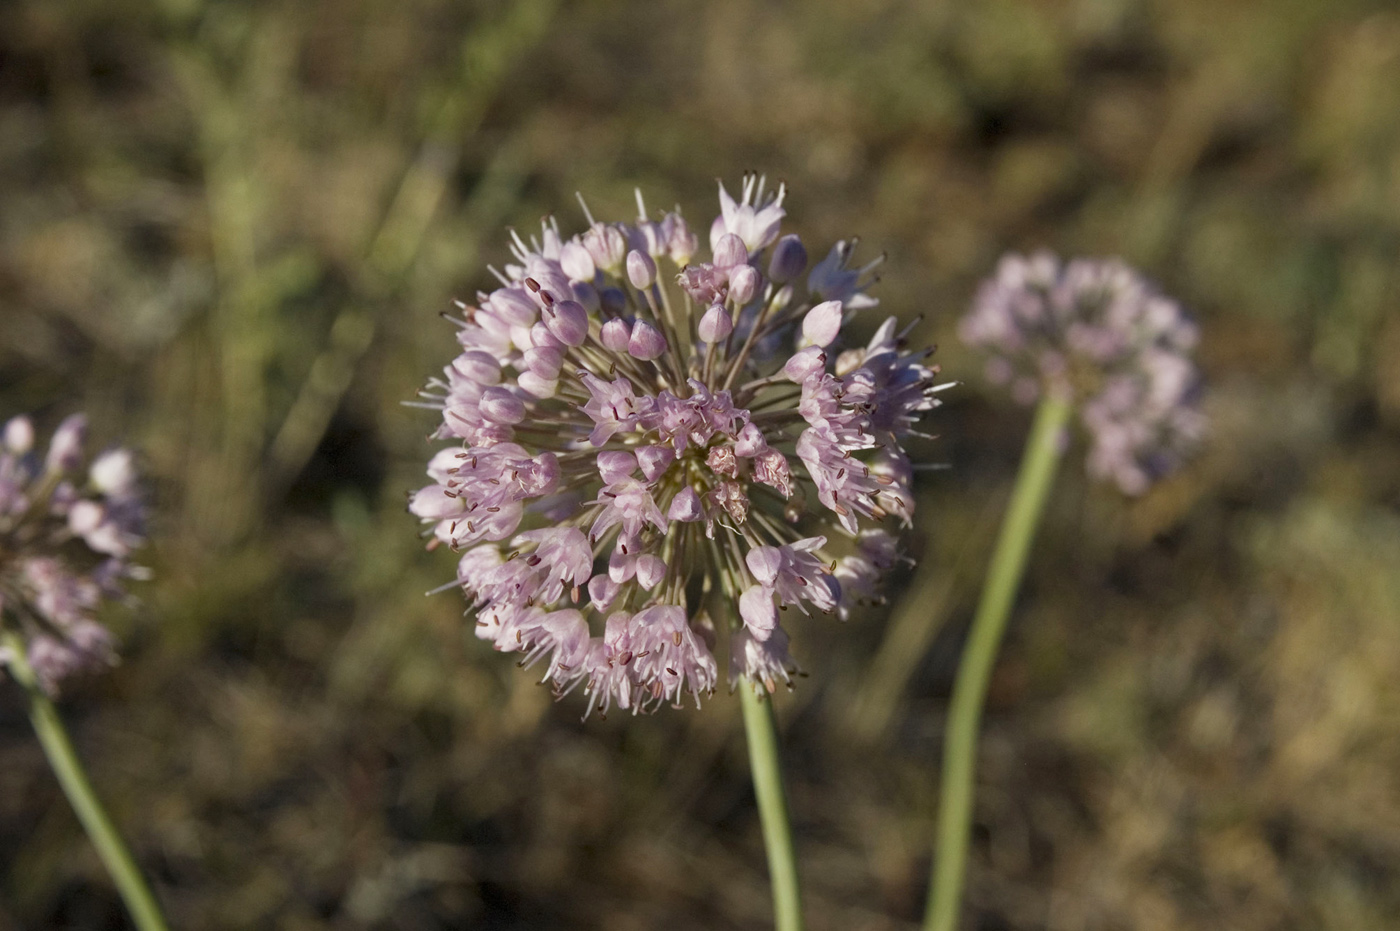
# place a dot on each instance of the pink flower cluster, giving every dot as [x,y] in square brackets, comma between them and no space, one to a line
[1095,330]
[637,453]
[67,533]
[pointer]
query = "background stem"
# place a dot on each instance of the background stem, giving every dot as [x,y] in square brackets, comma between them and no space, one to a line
[761,730]
[1042,455]
[141,904]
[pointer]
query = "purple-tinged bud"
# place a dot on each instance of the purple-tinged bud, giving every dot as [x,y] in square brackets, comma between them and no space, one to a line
[568,321]
[540,336]
[805,363]
[500,406]
[789,259]
[848,361]
[18,437]
[730,251]
[743,284]
[685,506]
[512,305]
[544,361]
[606,245]
[85,516]
[616,334]
[621,567]
[781,299]
[750,441]
[114,473]
[682,243]
[650,571]
[655,460]
[66,447]
[587,295]
[717,231]
[822,323]
[615,465]
[537,385]
[602,590]
[477,366]
[758,611]
[576,261]
[646,343]
[716,324]
[641,270]
[614,301]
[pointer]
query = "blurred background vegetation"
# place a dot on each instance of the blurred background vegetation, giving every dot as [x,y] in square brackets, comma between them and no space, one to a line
[227,231]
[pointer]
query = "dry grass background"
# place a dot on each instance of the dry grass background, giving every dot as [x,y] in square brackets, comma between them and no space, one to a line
[227,229]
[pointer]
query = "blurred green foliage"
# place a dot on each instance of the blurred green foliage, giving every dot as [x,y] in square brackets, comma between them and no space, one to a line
[227,232]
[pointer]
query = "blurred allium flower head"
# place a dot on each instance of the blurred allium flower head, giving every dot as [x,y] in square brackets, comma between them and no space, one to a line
[1096,331]
[646,439]
[67,531]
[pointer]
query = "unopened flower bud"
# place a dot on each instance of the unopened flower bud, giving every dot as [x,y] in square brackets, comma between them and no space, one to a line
[716,324]
[682,243]
[613,300]
[538,386]
[511,306]
[541,336]
[606,245]
[114,472]
[544,361]
[685,506]
[641,270]
[730,251]
[743,284]
[646,343]
[805,364]
[18,437]
[615,465]
[66,447]
[789,259]
[822,323]
[568,321]
[650,571]
[500,406]
[587,295]
[577,262]
[476,366]
[655,460]
[616,335]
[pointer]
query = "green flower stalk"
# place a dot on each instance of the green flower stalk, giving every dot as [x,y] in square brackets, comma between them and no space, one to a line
[633,421]
[1038,465]
[1088,336]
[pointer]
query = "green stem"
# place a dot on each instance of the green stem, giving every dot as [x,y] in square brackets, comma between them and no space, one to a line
[66,766]
[761,730]
[1038,463]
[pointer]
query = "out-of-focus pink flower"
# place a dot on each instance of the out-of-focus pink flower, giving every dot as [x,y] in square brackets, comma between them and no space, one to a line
[66,539]
[1097,331]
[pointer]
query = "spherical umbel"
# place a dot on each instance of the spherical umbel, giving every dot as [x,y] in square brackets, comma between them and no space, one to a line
[635,450]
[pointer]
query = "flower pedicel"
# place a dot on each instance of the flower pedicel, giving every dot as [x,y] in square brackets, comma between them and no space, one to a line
[635,451]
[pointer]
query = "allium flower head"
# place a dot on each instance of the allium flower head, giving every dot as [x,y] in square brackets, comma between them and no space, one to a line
[645,438]
[67,532]
[1096,331]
